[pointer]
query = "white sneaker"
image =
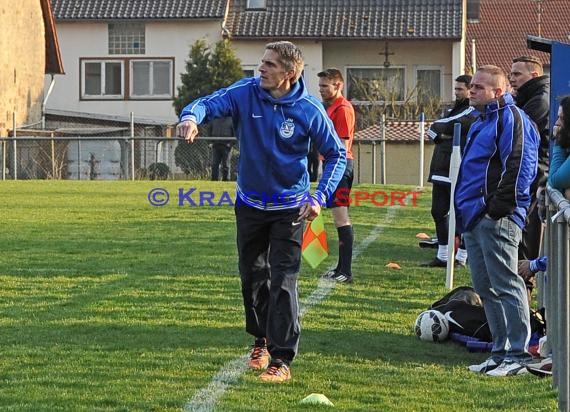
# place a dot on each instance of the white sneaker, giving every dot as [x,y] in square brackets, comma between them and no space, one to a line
[484,367]
[542,367]
[508,368]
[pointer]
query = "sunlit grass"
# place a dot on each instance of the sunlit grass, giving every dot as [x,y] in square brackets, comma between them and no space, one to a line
[110,304]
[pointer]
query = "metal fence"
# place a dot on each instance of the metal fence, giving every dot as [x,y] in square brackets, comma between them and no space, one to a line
[117,157]
[555,291]
[89,146]
[108,158]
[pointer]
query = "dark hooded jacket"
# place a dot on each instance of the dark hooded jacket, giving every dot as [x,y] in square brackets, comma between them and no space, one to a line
[534,98]
[441,132]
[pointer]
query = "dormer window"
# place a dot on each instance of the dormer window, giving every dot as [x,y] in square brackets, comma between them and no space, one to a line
[473,11]
[256,5]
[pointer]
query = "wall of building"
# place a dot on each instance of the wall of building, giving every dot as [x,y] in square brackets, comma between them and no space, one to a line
[22,63]
[402,163]
[89,39]
[411,54]
[174,39]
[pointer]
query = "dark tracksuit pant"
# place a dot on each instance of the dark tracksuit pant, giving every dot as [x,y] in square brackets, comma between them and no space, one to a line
[221,160]
[440,203]
[269,250]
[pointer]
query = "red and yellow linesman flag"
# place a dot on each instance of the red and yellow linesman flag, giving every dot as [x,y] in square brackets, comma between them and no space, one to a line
[315,248]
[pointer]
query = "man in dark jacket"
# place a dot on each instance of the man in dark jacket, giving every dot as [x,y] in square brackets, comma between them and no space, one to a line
[532,94]
[491,202]
[221,149]
[441,132]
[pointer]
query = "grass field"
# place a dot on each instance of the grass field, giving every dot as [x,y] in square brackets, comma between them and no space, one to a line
[110,304]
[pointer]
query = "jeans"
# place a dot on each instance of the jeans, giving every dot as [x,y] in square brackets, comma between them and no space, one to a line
[493,258]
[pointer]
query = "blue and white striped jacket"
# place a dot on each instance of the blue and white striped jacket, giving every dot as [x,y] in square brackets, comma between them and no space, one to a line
[274,138]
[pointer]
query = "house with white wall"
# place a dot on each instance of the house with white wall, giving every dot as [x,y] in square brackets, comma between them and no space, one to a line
[126,56]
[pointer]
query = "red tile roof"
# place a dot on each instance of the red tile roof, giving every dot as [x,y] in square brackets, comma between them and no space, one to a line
[504,25]
[396,131]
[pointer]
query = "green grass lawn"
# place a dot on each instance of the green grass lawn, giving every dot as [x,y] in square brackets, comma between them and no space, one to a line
[110,304]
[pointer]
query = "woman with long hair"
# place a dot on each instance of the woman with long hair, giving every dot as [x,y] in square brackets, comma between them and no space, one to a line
[559,175]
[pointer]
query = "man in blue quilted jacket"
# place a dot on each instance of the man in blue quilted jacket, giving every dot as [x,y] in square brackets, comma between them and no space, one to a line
[492,197]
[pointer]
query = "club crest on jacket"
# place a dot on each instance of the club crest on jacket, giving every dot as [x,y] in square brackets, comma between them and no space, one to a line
[287,129]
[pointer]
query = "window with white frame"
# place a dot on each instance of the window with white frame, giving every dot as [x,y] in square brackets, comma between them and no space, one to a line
[249,71]
[256,5]
[126,38]
[428,85]
[102,79]
[141,79]
[375,84]
[151,78]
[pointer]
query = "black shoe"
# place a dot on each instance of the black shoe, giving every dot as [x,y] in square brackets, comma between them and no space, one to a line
[435,263]
[336,276]
[429,243]
[460,265]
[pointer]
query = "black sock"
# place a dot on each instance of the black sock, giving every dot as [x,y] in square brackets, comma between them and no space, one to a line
[345,241]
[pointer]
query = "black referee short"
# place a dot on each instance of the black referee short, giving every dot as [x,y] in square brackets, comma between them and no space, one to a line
[342,192]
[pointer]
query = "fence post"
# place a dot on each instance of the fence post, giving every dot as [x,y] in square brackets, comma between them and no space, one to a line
[132,146]
[383,150]
[4,159]
[79,158]
[453,172]
[422,135]
[559,269]
[557,291]
[52,156]
[563,332]
[373,162]
[358,173]
[552,312]
[15,150]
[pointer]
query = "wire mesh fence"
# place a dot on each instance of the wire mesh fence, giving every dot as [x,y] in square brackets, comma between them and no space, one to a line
[84,146]
[109,158]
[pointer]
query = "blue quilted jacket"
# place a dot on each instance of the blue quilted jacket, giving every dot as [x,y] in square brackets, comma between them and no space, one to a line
[498,166]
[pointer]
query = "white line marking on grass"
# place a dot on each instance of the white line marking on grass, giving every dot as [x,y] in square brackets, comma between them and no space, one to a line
[206,398]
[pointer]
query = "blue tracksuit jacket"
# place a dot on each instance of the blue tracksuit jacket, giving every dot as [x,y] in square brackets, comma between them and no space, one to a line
[274,139]
[498,166]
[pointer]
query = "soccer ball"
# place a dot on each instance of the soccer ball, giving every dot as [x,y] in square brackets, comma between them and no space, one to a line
[431,326]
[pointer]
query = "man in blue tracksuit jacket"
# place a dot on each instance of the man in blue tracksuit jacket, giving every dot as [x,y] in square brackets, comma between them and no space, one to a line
[492,197]
[275,120]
